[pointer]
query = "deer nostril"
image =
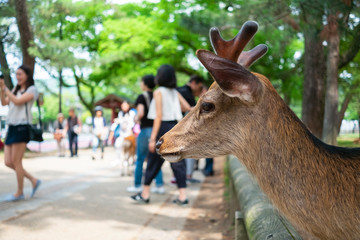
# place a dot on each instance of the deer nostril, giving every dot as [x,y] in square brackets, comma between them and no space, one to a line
[159,143]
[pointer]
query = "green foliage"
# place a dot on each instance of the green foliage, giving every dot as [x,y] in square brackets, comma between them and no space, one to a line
[349,140]
[51,103]
[108,47]
[137,44]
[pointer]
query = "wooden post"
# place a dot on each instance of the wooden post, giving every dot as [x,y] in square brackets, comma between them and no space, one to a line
[240,230]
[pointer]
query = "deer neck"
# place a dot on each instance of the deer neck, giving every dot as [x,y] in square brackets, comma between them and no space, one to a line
[279,150]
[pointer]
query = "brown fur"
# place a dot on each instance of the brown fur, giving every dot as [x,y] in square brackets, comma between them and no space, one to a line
[127,159]
[130,149]
[316,186]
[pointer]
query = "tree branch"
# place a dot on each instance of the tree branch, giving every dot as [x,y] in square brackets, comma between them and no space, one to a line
[354,48]
[79,80]
[353,87]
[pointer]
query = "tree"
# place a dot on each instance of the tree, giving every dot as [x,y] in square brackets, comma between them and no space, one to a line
[332,31]
[140,40]
[6,12]
[322,58]
[349,89]
[67,39]
[26,34]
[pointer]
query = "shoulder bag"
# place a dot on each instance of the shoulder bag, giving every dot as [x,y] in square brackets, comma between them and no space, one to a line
[35,133]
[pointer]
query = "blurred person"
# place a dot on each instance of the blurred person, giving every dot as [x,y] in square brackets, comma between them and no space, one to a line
[73,128]
[165,109]
[59,134]
[142,144]
[193,88]
[20,101]
[100,132]
[1,142]
[125,142]
[209,167]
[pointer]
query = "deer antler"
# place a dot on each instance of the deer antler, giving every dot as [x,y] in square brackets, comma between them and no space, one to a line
[233,49]
[247,58]
[229,65]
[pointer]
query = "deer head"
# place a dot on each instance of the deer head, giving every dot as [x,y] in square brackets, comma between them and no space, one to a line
[313,184]
[235,94]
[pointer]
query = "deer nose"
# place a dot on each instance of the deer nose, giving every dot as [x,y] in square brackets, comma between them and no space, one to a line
[158,145]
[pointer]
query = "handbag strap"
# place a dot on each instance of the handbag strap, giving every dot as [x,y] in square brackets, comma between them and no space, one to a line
[27,113]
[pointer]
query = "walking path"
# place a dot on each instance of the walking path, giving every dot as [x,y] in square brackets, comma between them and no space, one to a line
[84,199]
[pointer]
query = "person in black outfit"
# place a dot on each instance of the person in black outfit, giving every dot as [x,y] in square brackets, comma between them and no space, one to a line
[73,128]
[192,89]
[189,91]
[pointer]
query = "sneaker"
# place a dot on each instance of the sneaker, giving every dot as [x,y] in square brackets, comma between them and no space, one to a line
[37,185]
[158,190]
[12,198]
[138,198]
[192,180]
[207,173]
[181,203]
[134,189]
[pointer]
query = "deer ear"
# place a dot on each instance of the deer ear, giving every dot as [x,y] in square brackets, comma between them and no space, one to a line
[233,79]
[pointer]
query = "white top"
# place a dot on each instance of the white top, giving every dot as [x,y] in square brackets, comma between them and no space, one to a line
[171,109]
[127,122]
[17,113]
[99,129]
[98,125]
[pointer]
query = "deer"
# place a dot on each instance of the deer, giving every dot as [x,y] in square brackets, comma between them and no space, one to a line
[314,185]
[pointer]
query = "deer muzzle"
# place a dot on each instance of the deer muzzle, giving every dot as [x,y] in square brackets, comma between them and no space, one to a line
[168,156]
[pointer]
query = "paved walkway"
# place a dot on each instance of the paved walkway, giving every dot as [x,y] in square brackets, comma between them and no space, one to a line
[85,199]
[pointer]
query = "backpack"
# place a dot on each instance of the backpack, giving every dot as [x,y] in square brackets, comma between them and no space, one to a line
[117,131]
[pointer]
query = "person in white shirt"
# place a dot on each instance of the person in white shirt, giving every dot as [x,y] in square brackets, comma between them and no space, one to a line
[59,134]
[20,101]
[100,132]
[124,138]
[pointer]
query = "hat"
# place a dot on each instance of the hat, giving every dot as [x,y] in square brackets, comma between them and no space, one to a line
[98,108]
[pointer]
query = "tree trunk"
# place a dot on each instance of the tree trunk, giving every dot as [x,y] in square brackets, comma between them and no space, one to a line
[314,81]
[60,71]
[88,104]
[332,95]
[5,66]
[341,114]
[60,90]
[26,35]
[345,105]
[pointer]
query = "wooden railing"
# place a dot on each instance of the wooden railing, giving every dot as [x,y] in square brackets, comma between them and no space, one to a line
[256,218]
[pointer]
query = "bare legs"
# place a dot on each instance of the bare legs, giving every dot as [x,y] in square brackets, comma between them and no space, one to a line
[13,159]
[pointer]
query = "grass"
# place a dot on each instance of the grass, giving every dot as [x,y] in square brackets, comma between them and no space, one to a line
[347,140]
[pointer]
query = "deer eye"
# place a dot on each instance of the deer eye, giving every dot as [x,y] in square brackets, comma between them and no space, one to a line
[207,107]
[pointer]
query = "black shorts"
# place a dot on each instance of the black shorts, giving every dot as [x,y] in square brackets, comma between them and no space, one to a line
[17,134]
